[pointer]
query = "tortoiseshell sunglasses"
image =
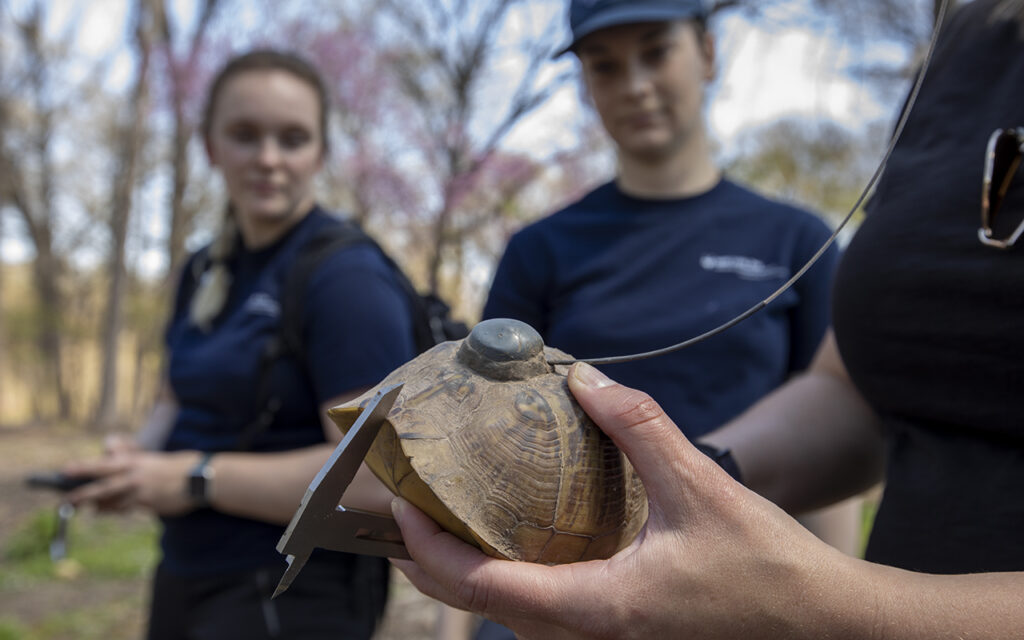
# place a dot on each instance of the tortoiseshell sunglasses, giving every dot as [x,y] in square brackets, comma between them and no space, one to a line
[1002,158]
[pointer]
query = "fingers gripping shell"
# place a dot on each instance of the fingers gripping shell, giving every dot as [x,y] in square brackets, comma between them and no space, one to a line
[487,440]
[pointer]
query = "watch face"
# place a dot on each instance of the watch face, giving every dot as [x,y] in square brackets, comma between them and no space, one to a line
[198,481]
[197,486]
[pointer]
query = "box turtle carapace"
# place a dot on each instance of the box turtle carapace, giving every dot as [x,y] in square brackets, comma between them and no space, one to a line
[486,438]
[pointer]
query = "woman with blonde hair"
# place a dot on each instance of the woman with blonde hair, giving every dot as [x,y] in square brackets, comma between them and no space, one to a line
[240,429]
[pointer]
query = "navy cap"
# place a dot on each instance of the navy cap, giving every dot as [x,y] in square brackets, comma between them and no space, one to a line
[588,16]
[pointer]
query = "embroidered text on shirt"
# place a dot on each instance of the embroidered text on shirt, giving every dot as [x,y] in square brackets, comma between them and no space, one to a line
[263,304]
[744,267]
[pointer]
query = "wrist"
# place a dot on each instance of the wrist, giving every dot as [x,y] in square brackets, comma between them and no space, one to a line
[199,482]
[852,600]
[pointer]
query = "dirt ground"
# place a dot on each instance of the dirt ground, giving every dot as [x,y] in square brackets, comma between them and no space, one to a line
[410,615]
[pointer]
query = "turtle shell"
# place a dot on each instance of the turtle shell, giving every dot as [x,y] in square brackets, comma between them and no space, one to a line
[486,438]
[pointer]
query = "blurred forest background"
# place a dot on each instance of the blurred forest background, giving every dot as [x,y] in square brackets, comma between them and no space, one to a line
[453,127]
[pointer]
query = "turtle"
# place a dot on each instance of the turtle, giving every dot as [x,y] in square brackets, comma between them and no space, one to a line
[486,439]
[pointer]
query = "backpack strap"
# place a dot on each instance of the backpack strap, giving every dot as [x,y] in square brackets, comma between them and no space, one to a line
[321,246]
[426,310]
[430,322]
[289,339]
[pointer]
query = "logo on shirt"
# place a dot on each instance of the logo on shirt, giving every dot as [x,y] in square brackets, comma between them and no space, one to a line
[744,267]
[262,304]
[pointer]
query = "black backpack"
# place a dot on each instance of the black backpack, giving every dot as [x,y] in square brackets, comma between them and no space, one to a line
[431,317]
[432,323]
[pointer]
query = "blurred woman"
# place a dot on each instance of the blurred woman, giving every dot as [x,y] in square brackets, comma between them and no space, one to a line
[238,434]
[669,248]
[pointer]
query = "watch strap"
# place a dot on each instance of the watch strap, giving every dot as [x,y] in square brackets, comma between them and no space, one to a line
[199,481]
[723,457]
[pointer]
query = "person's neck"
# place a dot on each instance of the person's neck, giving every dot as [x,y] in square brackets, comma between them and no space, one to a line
[683,174]
[258,235]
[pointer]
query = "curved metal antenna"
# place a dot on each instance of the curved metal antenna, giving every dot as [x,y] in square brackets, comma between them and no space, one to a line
[904,116]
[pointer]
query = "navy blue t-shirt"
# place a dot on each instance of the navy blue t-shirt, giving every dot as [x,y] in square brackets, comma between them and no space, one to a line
[613,275]
[356,330]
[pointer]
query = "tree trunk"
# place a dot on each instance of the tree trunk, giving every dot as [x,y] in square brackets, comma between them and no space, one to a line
[180,76]
[3,273]
[46,274]
[440,233]
[180,217]
[121,204]
[33,201]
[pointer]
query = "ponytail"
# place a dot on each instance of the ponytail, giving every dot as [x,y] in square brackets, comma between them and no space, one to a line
[211,294]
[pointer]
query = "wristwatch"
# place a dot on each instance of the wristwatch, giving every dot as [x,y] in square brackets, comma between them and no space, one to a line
[199,479]
[723,457]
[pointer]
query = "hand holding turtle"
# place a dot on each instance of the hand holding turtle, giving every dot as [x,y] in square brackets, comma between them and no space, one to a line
[714,559]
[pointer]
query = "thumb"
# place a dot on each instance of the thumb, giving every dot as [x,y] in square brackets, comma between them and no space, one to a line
[668,465]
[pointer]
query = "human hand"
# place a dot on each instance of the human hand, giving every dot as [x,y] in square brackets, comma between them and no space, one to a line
[76,474]
[120,443]
[128,478]
[713,561]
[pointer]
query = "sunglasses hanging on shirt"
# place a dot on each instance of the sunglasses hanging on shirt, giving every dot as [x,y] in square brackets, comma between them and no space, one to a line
[1002,159]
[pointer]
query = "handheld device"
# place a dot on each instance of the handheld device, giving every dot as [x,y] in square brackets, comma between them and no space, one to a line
[56,481]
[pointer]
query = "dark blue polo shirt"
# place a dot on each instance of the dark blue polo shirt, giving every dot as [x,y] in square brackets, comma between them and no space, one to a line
[356,330]
[613,275]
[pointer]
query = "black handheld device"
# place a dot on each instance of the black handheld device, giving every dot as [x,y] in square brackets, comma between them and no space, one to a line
[56,480]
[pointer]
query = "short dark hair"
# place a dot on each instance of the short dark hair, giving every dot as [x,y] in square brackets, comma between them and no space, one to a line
[700,25]
[268,60]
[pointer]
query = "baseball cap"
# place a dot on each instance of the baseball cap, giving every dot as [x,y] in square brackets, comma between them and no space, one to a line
[588,16]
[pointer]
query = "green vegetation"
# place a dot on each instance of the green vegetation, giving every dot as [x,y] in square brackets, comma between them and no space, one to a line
[100,548]
[107,556]
[867,520]
[84,623]
[11,629]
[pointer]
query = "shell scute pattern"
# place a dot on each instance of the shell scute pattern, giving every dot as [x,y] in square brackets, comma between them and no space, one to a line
[486,438]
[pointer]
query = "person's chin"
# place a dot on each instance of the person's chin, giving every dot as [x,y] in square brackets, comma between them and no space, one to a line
[649,150]
[268,212]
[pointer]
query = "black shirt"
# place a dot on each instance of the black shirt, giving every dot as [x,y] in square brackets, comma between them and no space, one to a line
[930,323]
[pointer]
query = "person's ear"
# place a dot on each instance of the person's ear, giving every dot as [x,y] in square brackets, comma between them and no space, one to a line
[707,48]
